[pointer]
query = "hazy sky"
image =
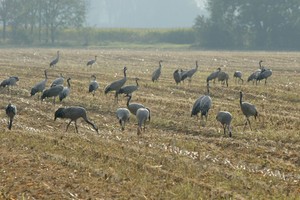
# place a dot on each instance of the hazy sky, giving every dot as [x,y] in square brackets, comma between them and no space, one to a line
[157,14]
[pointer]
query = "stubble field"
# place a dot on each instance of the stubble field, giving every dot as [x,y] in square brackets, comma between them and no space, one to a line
[176,157]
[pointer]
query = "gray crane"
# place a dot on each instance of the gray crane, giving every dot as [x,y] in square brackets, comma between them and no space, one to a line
[189,73]
[213,75]
[177,76]
[238,75]
[255,74]
[93,85]
[156,74]
[248,110]
[11,81]
[223,77]
[264,74]
[55,61]
[142,115]
[58,81]
[91,62]
[123,115]
[133,107]
[11,111]
[225,118]
[40,86]
[116,85]
[129,89]
[65,92]
[73,113]
[52,92]
[202,105]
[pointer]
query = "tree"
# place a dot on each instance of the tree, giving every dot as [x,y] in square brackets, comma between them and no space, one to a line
[6,11]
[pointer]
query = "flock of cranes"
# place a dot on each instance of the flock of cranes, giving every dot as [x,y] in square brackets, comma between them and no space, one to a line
[201,106]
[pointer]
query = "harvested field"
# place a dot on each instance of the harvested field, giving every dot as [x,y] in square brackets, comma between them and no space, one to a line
[177,157]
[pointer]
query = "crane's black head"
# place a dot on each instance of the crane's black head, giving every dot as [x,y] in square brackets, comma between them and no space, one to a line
[59,113]
[219,69]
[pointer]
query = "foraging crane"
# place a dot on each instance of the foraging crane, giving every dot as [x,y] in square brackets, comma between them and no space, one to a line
[189,73]
[123,115]
[177,76]
[11,111]
[129,89]
[133,107]
[248,110]
[202,105]
[11,81]
[223,77]
[66,91]
[116,85]
[93,85]
[55,61]
[142,115]
[156,74]
[39,87]
[73,113]
[213,75]
[58,81]
[238,75]
[225,118]
[52,92]
[264,74]
[91,62]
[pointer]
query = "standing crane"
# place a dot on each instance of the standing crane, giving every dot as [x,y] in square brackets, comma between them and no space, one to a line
[91,62]
[55,61]
[156,74]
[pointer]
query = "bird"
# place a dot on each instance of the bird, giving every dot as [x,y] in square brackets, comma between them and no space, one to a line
[223,77]
[65,92]
[123,115]
[55,61]
[133,107]
[142,115]
[129,89]
[225,117]
[11,81]
[58,81]
[52,92]
[202,105]
[177,76]
[189,73]
[93,85]
[156,74]
[91,62]
[264,74]
[248,110]
[39,87]
[213,75]
[73,113]
[238,75]
[116,85]
[11,111]
[255,74]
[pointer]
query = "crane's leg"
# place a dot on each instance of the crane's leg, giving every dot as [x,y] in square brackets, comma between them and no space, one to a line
[76,128]
[245,124]
[68,125]
[265,81]
[224,127]
[249,124]
[229,130]
[242,80]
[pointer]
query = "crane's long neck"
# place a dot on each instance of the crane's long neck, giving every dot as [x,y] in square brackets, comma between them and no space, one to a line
[46,77]
[137,83]
[124,72]
[69,85]
[196,65]
[159,64]
[128,101]
[241,98]
[260,67]
[207,87]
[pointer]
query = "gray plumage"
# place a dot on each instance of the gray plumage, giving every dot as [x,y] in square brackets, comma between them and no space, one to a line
[177,76]
[223,77]
[255,74]
[58,81]
[52,92]
[39,87]
[66,91]
[129,89]
[55,61]
[116,85]
[93,86]
[213,75]
[133,107]
[189,73]
[238,75]
[248,110]
[225,118]
[73,113]
[91,62]
[123,116]
[11,111]
[264,74]
[202,105]
[156,74]
[142,115]
[11,81]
